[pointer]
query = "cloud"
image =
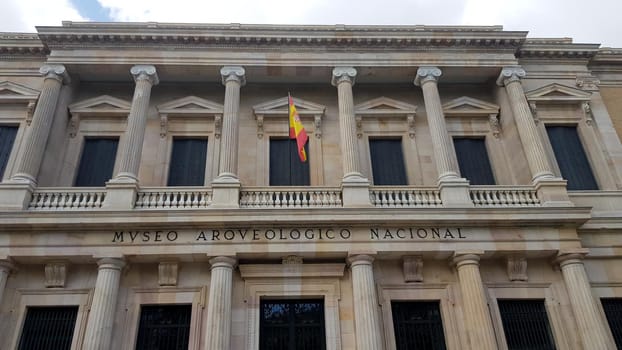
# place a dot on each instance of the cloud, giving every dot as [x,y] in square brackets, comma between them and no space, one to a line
[24,15]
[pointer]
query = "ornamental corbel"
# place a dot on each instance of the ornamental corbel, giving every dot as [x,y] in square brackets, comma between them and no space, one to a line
[317,123]
[74,125]
[163,125]
[292,260]
[413,268]
[517,268]
[587,82]
[359,126]
[410,119]
[30,109]
[167,273]
[217,125]
[589,116]
[259,126]
[55,274]
[495,126]
[534,112]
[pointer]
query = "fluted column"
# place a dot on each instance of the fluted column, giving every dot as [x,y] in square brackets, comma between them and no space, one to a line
[527,130]
[101,317]
[343,79]
[145,77]
[218,330]
[5,269]
[233,78]
[37,133]
[477,316]
[592,327]
[442,146]
[366,314]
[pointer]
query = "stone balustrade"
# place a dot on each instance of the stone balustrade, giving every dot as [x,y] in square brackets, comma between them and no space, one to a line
[174,198]
[74,198]
[405,197]
[504,196]
[290,197]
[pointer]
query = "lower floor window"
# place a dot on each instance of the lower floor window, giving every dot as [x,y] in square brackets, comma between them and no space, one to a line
[526,325]
[418,325]
[164,327]
[613,311]
[292,325]
[48,328]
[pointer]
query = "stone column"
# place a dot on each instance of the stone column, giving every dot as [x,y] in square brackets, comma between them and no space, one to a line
[218,330]
[592,327]
[101,317]
[454,189]
[477,316]
[367,322]
[5,270]
[355,187]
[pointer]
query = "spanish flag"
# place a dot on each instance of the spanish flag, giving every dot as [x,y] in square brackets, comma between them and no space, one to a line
[297,130]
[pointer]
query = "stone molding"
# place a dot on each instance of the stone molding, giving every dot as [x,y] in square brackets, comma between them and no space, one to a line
[145,72]
[55,274]
[558,93]
[343,74]
[292,260]
[510,74]
[279,108]
[291,270]
[517,268]
[55,71]
[104,106]
[385,107]
[233,73]
[413,268]
[11,93]
[470,107]
[190,107]
[167,273]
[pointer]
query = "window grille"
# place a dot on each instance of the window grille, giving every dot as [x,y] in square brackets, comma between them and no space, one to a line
[48,328]
[613,311]
[164,327]
[418,325]
[387,162]
[292,325]
[526,325]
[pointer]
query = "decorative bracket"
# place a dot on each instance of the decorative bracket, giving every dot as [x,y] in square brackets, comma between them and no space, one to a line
[55,274]
[359,126]
[413,269]
[534,112]
[517,268]
[495,126]
[167,273]
[587,110]
[292,260]
[259,125]
[410,119]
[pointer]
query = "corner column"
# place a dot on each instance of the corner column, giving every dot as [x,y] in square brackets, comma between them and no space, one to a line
[6,266]
[218,329]
[592,327]
[454,189]
[101,317]
[367,322]
[477,316]
[355,187]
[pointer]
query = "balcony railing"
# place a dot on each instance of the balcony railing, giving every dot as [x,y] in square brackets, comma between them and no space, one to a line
[290,197]
[504,196]
[405,197]
[75,198]
[173,198]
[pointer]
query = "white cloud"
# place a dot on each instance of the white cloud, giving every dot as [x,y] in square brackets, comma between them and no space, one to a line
[24,15]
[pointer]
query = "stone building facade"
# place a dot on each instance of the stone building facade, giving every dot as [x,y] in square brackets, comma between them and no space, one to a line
[459,178]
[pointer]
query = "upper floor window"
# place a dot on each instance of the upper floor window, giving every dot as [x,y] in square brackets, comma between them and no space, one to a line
[286,168]
[525,324]
[387,161]
[613,311]
[48,328]
[187,166]
[571,158]
[97,161]
[7,138]
[473,160]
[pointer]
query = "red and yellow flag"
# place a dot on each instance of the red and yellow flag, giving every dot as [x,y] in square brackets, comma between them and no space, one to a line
[297,130]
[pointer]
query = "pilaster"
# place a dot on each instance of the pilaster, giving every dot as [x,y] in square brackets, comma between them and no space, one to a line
[367,323]
[6,267]
[218,329]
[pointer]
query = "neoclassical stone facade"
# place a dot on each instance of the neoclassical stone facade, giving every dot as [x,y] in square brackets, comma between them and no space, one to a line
[108,236]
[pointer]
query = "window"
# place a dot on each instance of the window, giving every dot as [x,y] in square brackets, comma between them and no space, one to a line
[292,325]
[286,169]
[613,311]
[97,161]
[7,138]
[164,327]
[187,167]
[473,160]
[387,162]
[48,328]
[525,324]
[417,325]
[571,158]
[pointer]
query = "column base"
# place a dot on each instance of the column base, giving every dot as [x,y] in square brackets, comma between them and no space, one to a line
[455,193]
[16,195]
[120,195]
[552,192]
[226,192]
[355,192]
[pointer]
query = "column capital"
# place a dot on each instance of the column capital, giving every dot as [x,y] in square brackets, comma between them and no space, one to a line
[145,72]
[343,74]
[111,263]
[461,258]
[360,259]
[564,258]
[7,265]
[510,74]
[233,73]
[55,71]
[425,74]
[223,261]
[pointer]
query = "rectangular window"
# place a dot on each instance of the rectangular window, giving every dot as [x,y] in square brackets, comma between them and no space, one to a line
[187,167]
[571,158]
[418,325]
[286,169]
[164,327]
[48,328]
[387,162]
[473,160]
[526,325]
[97,161]
[7,138]
[613,311]
[291,325]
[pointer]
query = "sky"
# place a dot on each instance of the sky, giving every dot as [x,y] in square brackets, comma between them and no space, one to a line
[599,23]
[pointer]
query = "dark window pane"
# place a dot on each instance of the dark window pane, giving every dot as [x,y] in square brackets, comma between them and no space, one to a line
[526,325]
[7,138]
[187,167]
[473,160]
[286,169]
[418,325]
[613,311]
[48,328]
[571,158]
[292,325]
[164,327]
[97,161]
[387,162]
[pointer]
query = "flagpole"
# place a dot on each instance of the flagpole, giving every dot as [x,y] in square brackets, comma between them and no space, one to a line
[289,137]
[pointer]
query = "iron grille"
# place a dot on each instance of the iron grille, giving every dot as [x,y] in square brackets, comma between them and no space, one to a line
[526,325]
[48,328]
[292,325]
[613,311]
[418,325]
[164,327]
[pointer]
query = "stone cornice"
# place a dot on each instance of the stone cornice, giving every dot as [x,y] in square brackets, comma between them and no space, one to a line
[608,55]
[556,48]
[20,45]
